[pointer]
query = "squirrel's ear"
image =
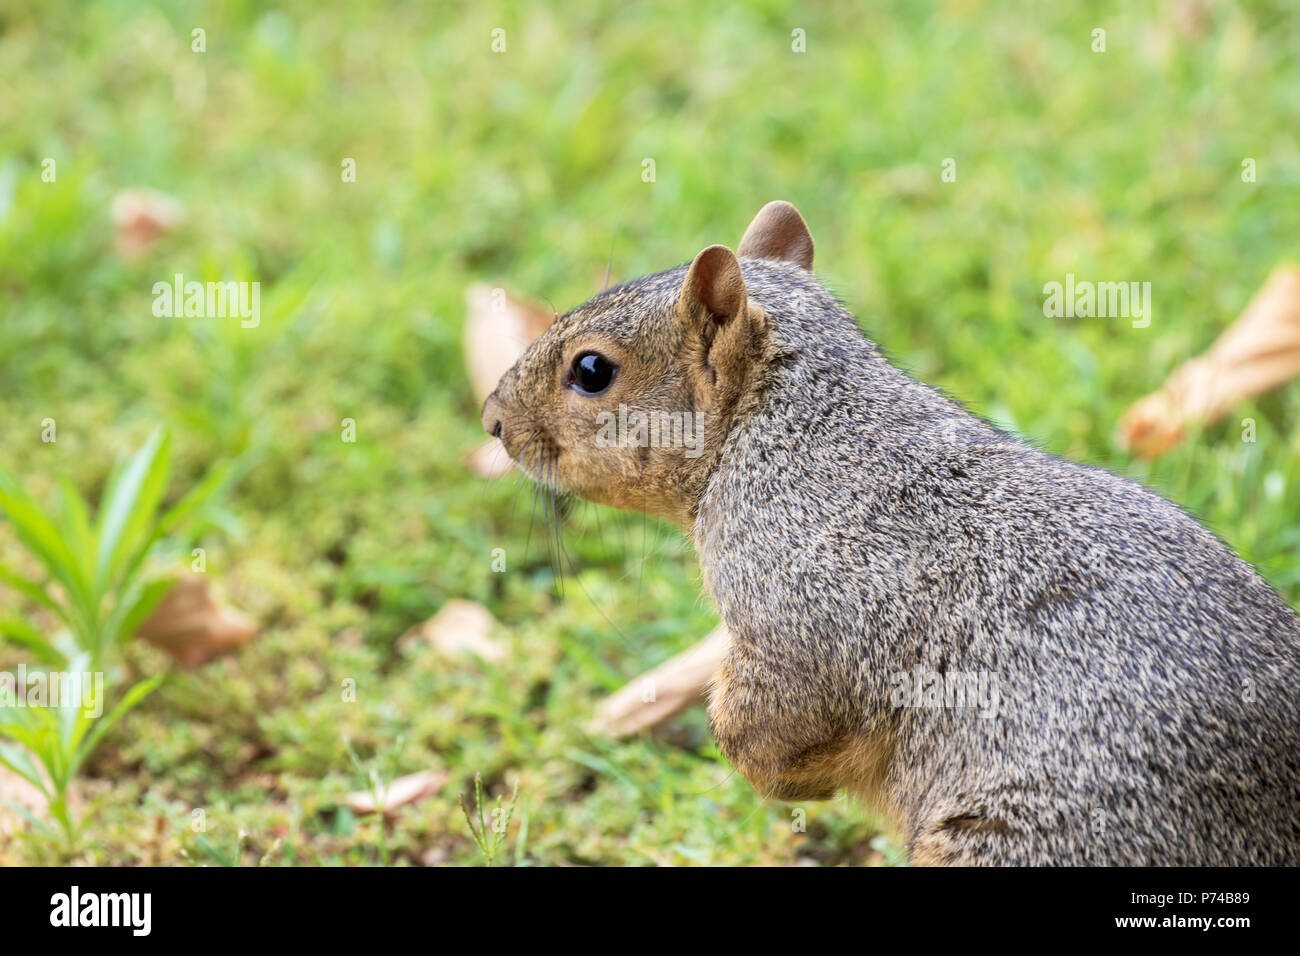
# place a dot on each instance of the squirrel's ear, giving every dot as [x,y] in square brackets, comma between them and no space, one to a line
[778,232]
[714,285]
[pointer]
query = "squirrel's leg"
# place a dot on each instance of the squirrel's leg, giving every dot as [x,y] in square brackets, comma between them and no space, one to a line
[965,840]
[786,750]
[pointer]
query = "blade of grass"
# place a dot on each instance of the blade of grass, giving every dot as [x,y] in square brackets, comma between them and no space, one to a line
[102,726]
[43,539]
[135,608]
[26,634]
[20,762]
[28,588]
[74,522]
[197,497]
[128,504]
[36,823]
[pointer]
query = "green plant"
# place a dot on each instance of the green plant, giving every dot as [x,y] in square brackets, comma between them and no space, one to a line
[104,589]
[99,587]
[236,856]
[488,839]
[60,739]
[378,790]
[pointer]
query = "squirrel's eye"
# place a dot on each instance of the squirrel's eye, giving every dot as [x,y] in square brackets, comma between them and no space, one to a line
[592,373]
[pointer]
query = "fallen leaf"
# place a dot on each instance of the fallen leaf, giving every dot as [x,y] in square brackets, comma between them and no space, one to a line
[190,625]
[435,856]
[458,627]
[140,216]
[409,789]
[499,328]
[670,688]
[490,459]
[1258,352]
[1192,17]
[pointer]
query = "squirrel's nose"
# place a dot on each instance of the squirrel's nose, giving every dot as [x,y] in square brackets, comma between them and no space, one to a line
[492,416]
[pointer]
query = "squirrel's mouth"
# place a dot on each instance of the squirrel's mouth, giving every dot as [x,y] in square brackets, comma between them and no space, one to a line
[537,456]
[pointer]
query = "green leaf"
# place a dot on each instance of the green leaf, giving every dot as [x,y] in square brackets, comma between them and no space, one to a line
[136,607]
[23,632]
[133,697]
[127,509]
[20,762]
[208,847]
[43,539]
[32,729]
[75,524]
[27,587]
[38,825]
[197,497]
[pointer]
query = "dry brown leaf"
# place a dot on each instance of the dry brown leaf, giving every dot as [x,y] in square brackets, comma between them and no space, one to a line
[1192,18]
[1258,352]
[458,627]
[409,789]
[667,690]
[499,327]
[142,215]
[190,625]
[490,459]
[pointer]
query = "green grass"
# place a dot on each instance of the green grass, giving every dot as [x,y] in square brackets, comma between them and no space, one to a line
[525,168]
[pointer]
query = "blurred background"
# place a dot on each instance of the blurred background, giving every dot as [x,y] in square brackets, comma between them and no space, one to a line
[525,167]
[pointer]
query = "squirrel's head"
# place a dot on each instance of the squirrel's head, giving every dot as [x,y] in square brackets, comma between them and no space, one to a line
[627,399]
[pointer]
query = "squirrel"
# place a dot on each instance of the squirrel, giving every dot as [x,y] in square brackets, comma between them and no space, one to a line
[1017,659]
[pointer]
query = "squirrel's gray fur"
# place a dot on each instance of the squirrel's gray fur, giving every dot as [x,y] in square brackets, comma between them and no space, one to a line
[1149,679]
[855,525]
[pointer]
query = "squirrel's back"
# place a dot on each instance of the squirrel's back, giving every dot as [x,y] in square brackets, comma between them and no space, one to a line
[1106,681]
